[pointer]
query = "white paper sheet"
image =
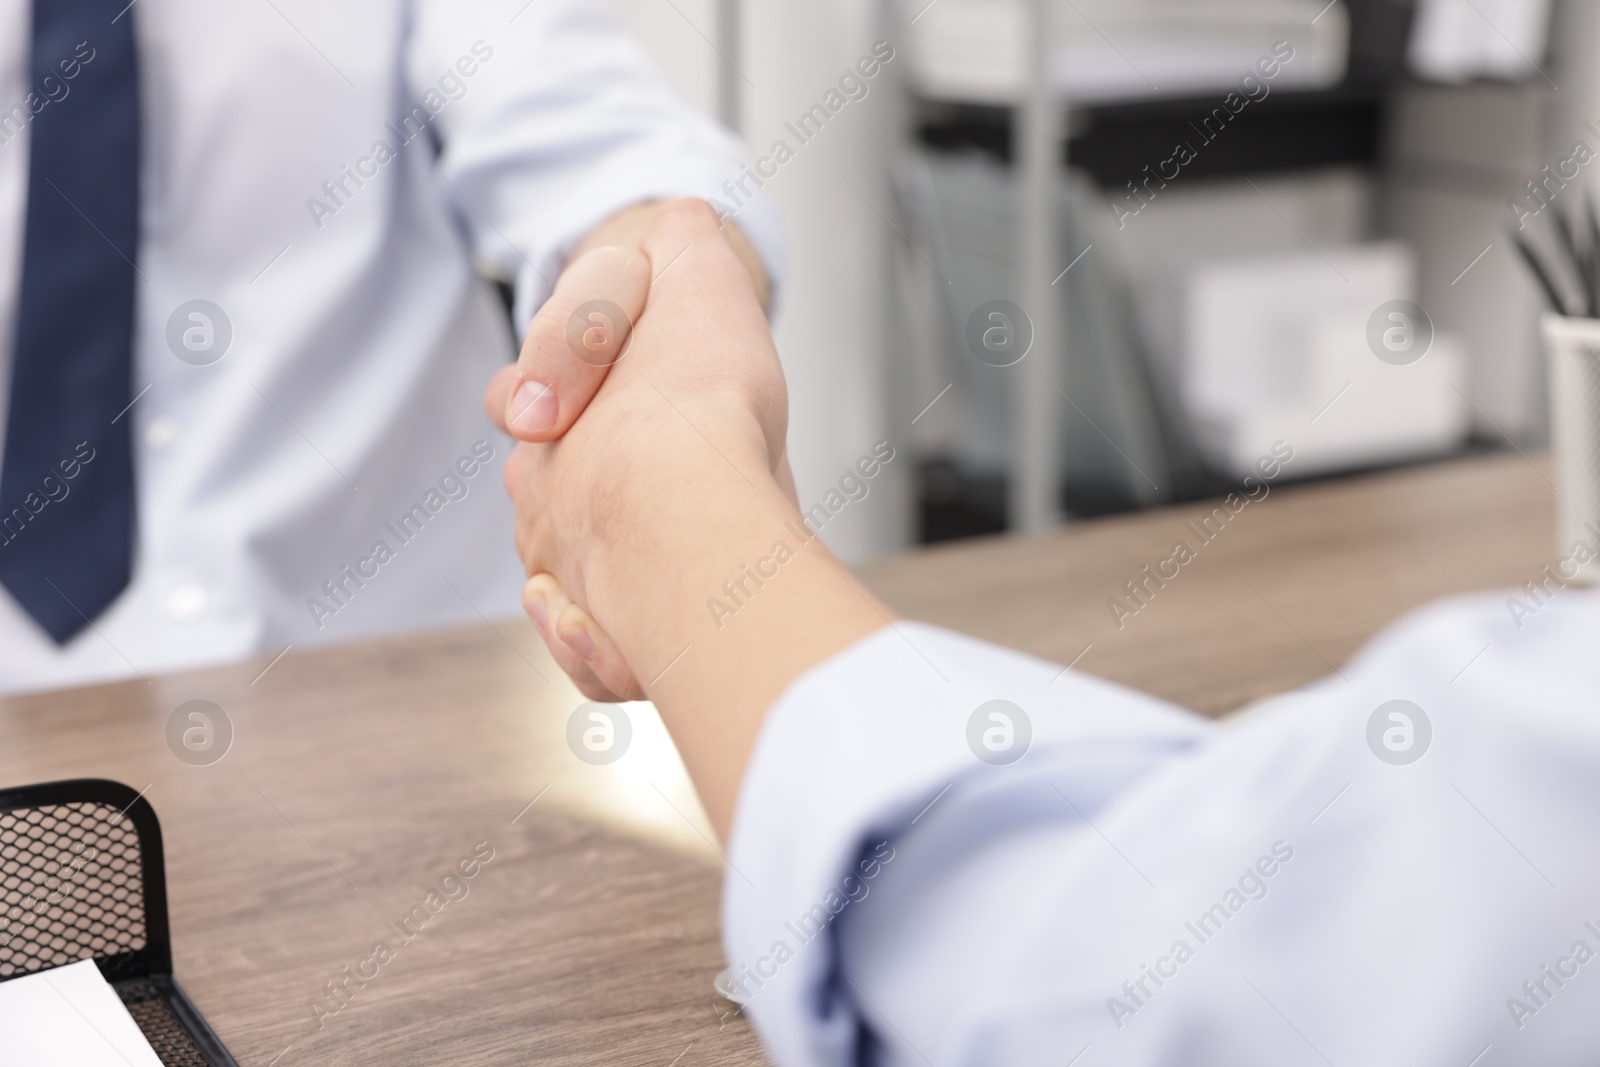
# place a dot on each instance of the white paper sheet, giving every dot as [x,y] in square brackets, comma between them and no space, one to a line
[68,1017]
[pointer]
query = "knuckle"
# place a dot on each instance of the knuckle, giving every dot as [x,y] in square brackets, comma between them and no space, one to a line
[690,209]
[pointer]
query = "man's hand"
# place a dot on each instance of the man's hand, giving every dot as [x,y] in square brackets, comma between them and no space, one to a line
[667,487]
[706,350]
[585,325]
[572,343]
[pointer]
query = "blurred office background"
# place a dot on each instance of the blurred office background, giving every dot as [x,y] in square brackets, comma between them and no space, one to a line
[1204,315]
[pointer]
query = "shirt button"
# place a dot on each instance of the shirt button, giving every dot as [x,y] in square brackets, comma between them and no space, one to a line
[187,603]
[160,432]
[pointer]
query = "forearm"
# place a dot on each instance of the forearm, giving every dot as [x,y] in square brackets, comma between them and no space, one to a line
[719,597]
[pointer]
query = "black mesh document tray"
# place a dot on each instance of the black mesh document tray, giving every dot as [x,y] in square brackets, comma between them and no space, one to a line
[81,874]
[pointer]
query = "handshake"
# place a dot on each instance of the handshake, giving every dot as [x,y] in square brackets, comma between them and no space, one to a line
[634,347]
[650,411]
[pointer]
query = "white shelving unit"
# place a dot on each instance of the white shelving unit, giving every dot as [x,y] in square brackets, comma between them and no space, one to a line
[1036,454]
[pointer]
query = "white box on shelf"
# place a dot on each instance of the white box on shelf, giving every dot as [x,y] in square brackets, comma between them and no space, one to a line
[1288,348]
[974,50]
[1457,40]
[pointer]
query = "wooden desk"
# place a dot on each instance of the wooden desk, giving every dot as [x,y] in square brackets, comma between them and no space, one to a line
[359,775]
[1291,586]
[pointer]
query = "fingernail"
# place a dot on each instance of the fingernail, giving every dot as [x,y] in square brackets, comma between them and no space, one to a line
[533,407]
[579,642]
[539,612]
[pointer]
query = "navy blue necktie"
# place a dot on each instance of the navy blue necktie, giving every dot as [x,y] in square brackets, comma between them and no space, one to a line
[66,485]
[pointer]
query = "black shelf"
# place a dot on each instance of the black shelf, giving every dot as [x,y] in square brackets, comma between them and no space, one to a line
[1288,130]
[1285,131]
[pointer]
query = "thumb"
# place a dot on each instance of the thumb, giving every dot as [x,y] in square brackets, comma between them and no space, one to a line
[572,342]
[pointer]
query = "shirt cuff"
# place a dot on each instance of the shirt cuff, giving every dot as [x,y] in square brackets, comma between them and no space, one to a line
[852,754]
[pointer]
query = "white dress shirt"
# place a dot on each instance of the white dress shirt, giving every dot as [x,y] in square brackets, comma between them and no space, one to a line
[1146,887]
[362,336]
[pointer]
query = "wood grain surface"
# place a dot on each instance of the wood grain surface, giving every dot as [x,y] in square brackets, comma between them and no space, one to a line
[359,775]
[357,778]
[1289,587]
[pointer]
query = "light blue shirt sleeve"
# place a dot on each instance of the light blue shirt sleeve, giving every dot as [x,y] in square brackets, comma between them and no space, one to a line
[561,127]
[1317,881]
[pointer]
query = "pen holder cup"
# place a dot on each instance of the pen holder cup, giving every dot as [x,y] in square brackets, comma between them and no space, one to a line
[1572,347]
[82,877]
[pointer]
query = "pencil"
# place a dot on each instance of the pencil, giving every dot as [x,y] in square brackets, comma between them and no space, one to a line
[1545,283]
[1594,251]
[1566,234]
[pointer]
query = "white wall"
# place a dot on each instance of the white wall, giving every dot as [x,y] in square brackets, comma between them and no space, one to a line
[677,37]
[831,324]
